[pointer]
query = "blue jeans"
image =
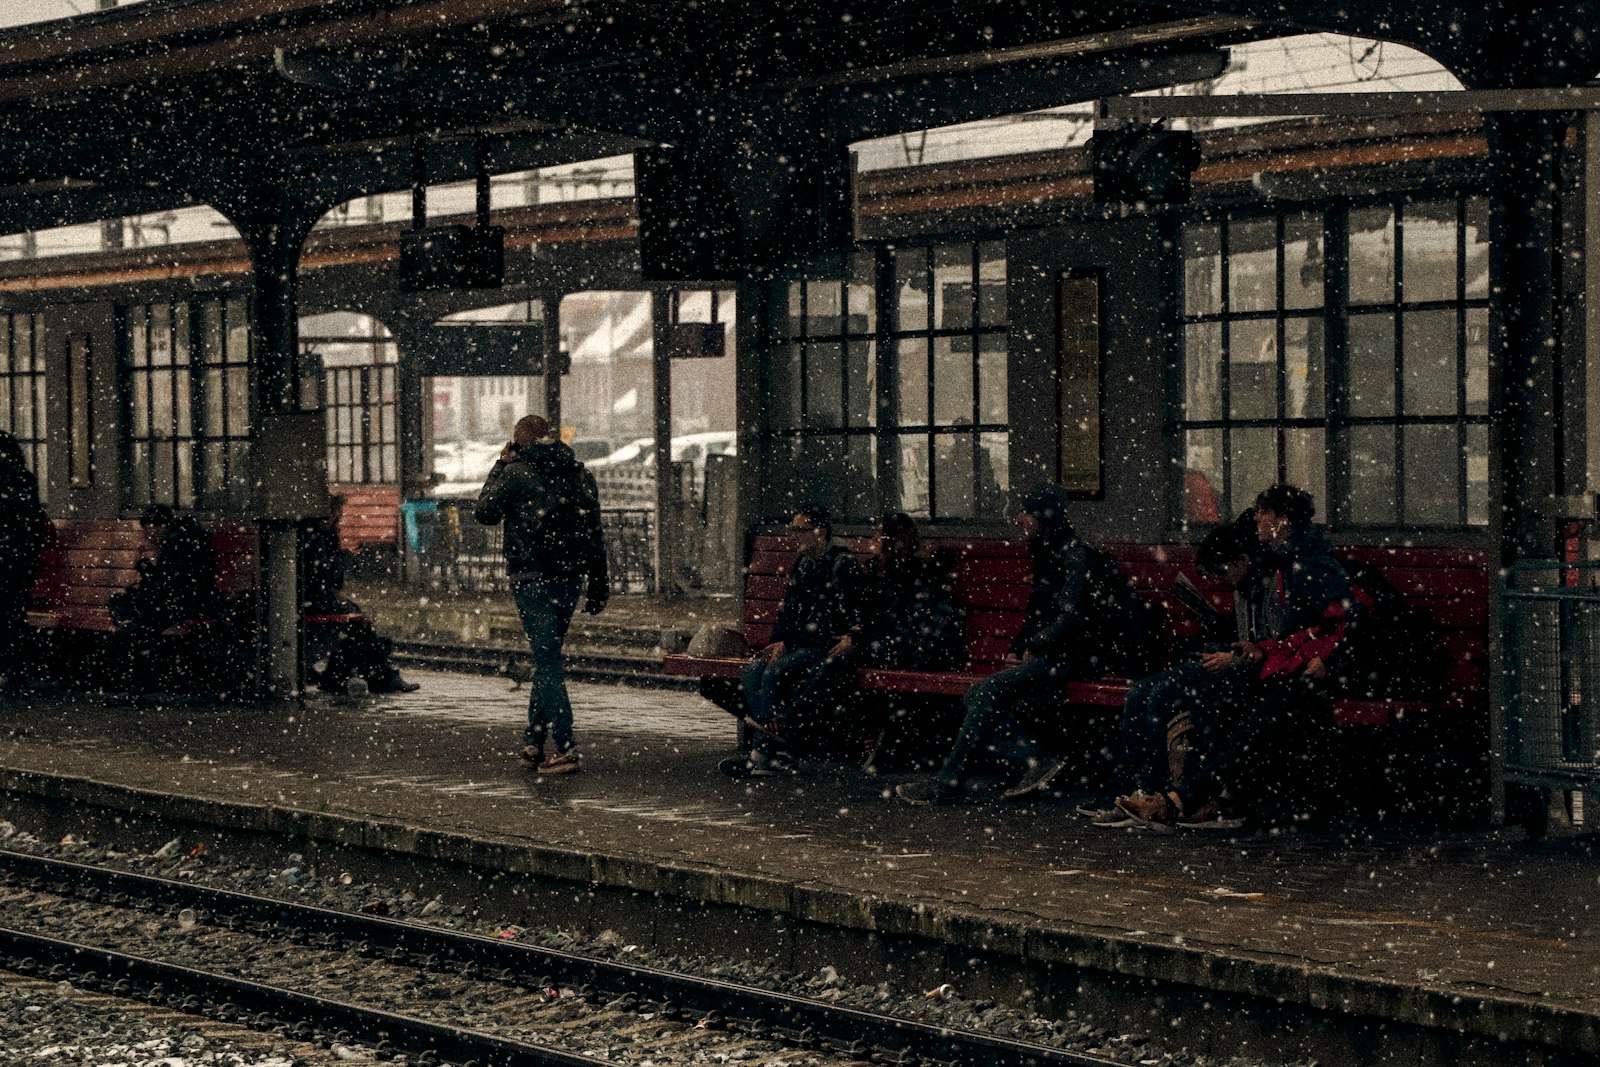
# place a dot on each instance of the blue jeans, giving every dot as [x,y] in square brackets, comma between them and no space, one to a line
[993,720]
[1209,697]
[546,608]
[769,690]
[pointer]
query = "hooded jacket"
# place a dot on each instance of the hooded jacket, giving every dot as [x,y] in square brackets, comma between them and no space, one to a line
[551,509]
[1081,608]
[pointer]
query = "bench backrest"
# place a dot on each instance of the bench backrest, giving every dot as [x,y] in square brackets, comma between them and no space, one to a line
[88,561]
[370,515]
[1446,589]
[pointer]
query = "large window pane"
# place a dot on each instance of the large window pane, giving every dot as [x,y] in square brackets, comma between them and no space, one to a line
[1430,362]
[993,399]
[992,284]
[1475,270]
[1203,481]
[1371,365]
[824,385]
[1477,464]
[1253,369]
[952,381]
[861,295]
[954,489]
[1477,352]
[1202,365]
[913,474]
[912,368]
[1253,458]
[1372,475]
[1303,272]
[1432,465]
[861,382]
[1304,377]
[953,288]
[1202,269]
[1428,267]
[1372,255]
[1305,463]
[1253,265]
[824,308]
[911,289]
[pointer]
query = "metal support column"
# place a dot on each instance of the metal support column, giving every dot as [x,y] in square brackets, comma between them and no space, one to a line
[661,303]
[1524,352]
[550,334]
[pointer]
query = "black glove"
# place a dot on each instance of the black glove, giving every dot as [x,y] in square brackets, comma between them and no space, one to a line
[594,600]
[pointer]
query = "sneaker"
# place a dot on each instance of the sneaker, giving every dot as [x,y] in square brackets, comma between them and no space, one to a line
[1036,781]
[1150,808]
[531,755]
[1094,811]
[561,763]
[1209,817]
[757,765]
[926,791]
[1112,819]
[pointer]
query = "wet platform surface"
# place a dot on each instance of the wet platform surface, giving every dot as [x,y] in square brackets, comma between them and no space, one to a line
[1479,912]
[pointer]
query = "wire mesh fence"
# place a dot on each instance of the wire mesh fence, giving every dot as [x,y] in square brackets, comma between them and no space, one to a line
[1550,626]
[447,550]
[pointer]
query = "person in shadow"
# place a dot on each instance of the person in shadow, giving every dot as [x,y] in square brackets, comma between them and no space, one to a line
[22,530]
[353,654]
[178,584]
[1082,621]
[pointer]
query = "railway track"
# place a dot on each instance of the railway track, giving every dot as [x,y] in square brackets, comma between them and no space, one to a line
[510,978]
[581,664]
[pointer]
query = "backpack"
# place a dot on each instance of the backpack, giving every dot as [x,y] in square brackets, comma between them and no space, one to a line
[1393,652]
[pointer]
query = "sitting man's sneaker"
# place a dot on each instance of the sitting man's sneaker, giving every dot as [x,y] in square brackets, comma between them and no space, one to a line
[1037,781]
[927,791]
[531,755]
[561,763]
[757,764]
[1209,816]
[1151,809]
[1094,809]
[1112,819]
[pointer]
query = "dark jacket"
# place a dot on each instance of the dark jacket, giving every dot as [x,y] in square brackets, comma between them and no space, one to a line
[179,583]
[22,526]
[551,509]
[913,622]
[1317,603]
[1082,609]
[822,602]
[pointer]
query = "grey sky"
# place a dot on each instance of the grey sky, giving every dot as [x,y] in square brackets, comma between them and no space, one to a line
[22,12]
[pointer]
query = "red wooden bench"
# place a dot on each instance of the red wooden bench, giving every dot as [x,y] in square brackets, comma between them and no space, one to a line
[1448,587]
[88,561]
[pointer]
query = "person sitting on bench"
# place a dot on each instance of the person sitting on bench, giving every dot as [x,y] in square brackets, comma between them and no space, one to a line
[1083,620]
[353,652]
[1289,672]
[178,584]
[816,631]
[1169,706]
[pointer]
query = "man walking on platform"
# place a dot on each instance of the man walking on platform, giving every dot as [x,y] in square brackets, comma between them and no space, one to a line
[555,553]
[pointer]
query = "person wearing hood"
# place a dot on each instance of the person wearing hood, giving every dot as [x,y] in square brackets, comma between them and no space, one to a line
[1316,605]
[22,528]
[555,553]
[1083,620]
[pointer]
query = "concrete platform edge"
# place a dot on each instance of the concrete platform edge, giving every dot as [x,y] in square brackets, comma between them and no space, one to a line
[1492,1016]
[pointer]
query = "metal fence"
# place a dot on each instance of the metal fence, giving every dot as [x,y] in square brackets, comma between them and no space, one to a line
[1550,627]
[447,550]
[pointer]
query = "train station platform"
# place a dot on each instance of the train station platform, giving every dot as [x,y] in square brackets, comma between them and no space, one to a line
[1482,932]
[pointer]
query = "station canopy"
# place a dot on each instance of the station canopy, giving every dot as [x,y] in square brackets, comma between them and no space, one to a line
[261,105]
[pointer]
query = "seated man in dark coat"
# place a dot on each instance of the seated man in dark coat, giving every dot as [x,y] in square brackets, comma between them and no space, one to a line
[1083,620]
[816,630]
[179,582]
[352,652]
